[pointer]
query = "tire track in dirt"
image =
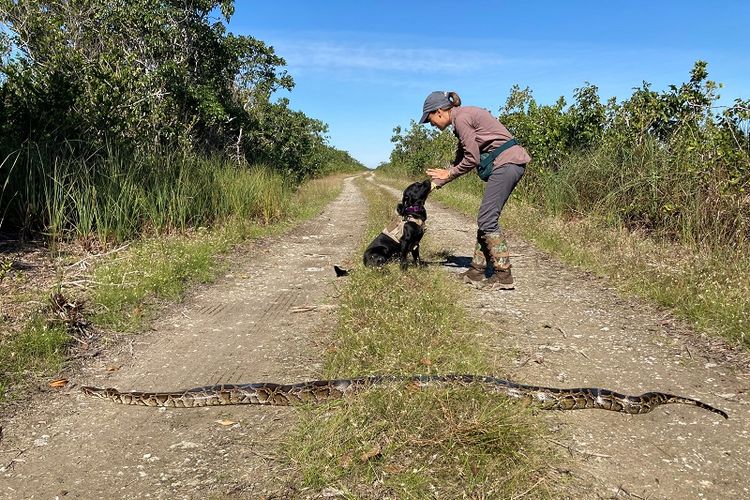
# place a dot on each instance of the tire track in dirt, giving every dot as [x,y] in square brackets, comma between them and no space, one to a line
[244,328]
[562,327]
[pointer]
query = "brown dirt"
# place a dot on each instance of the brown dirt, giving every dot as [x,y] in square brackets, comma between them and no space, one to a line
[268,321]
[25,268]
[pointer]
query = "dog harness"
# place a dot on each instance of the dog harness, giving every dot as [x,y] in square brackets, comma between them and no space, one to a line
[395,230]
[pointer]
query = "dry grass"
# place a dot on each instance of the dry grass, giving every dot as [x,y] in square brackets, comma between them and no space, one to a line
[710,288]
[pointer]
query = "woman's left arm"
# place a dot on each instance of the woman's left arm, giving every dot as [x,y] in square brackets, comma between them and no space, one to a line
[467,141]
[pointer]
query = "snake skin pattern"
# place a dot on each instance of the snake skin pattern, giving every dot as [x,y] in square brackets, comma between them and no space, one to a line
[317,391]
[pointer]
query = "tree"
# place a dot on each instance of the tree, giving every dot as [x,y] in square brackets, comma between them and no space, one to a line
[543,130]
[420,148]
[139,73]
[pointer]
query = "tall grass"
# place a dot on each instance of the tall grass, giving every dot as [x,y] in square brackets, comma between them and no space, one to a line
[673,197]
[117,196]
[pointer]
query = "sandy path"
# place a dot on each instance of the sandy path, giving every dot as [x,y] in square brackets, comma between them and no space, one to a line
[242,329]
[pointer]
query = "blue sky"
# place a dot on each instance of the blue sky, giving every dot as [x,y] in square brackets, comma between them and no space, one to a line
[364,67]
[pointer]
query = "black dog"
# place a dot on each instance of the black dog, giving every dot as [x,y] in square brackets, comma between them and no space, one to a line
[404,235]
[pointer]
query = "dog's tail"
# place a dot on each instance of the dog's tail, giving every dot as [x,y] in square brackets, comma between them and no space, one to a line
[340,272]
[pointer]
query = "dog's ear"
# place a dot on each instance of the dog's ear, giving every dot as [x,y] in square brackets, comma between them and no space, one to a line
[400,208]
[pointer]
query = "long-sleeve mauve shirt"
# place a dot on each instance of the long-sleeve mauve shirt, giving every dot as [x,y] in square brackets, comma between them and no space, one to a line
[479,132]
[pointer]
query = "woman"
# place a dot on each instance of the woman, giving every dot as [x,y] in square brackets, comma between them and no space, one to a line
[480,137]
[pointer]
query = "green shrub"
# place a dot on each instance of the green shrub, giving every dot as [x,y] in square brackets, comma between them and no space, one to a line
[663,162]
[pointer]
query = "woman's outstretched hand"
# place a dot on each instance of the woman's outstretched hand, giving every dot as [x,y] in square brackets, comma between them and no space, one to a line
[438,173]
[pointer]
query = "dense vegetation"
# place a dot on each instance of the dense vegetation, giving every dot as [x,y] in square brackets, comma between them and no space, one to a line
[118,117]
[665,162]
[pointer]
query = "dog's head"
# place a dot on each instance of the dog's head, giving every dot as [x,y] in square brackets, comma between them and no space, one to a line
[414,198]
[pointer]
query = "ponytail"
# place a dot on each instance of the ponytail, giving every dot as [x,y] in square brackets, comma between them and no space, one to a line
[453,98]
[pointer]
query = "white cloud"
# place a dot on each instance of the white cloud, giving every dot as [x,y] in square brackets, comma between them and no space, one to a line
[327,56]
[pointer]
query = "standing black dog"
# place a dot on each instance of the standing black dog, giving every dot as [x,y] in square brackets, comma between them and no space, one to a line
[404,235]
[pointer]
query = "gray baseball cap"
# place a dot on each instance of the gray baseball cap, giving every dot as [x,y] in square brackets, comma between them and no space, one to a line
[436,100]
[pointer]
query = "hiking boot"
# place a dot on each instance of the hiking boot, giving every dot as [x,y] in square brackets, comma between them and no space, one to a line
[499,257]
[474,275]
[502,279]
[497,248]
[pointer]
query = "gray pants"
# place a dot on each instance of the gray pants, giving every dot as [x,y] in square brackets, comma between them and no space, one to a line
[496,193]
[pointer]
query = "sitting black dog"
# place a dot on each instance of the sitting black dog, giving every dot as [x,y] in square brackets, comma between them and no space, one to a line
[402,236]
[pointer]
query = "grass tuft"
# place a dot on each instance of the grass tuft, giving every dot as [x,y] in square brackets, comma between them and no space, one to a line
[160,269]
[40,347]
[402,323]
[406,443]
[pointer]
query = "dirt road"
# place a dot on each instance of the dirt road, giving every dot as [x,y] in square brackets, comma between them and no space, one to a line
[268,320]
